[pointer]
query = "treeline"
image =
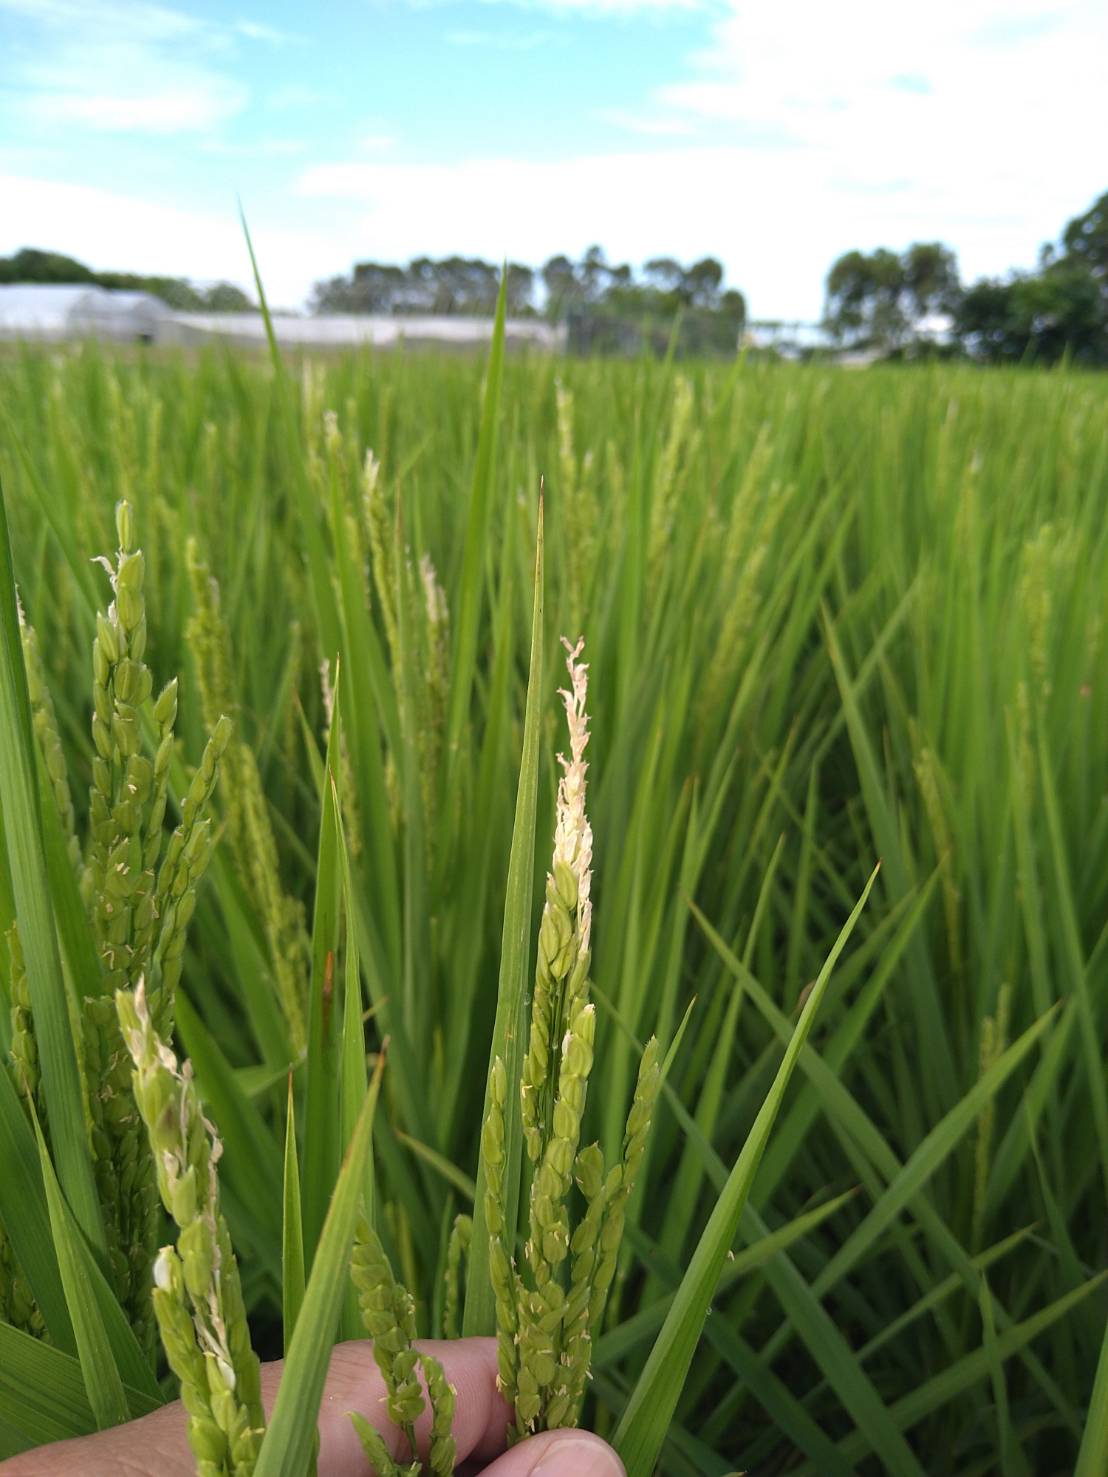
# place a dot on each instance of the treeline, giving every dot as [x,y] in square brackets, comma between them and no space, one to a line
[468,286]
[33,265]
[888,304]
[913,303]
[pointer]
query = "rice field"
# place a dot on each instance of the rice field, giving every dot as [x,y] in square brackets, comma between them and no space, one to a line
[831,620]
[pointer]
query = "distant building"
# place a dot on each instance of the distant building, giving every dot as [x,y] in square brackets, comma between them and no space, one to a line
[55,313]
[48,311]
[350,330]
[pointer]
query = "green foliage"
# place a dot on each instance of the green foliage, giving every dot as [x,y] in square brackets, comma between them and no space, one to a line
[608,308]
[830,618]
[1059,311]
[879,301]
[31,265]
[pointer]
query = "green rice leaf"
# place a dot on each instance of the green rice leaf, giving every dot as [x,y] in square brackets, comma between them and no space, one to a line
[515,956]
[79,1274]
[42,1391]
[290,1436]
[24,1215]
[22,826]
[642,1428]
[292,1231]
[1092,1459]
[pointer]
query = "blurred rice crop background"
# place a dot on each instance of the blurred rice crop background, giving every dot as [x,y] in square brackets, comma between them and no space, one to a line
[830,618]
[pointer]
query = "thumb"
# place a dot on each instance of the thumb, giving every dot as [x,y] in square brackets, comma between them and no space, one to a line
[558,1454]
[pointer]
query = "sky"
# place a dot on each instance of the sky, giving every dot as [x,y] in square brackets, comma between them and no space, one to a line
[772,134]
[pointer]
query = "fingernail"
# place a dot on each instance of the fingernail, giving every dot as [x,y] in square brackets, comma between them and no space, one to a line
[570,1456]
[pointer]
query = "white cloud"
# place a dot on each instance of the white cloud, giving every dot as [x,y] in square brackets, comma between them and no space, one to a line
[175,103]
[602,8]
[800,132]
[501,40]
[294,95]
[257,148]
[131,21]
[123,67]
[173,100]
[972,83]
[259,31]
[648,125]
[117,231]
[775,217]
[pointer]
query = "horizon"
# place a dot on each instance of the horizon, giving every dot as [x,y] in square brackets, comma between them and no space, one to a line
[651,127]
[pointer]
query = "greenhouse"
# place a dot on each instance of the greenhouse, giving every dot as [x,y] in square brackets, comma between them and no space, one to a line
[39,311]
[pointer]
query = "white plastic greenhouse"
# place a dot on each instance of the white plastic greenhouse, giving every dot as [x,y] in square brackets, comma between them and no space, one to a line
[38,311]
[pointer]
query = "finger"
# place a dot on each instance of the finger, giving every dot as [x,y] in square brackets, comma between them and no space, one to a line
[157,1444]
[481,1417]
[558,1454]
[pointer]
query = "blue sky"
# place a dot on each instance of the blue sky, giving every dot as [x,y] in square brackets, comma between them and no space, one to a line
[772,135]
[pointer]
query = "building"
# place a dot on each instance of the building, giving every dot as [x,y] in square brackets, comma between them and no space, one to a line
[337,331]
[55,312]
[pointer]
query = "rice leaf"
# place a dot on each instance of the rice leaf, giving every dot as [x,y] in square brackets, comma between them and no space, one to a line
[1092,1459]
[290,1436]
[642,1428]
[515,955]
[79,1274]
[24,1215]
[42,1391]
[27,863]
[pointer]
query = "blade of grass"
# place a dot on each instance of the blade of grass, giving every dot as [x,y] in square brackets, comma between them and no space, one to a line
[251,1160]
[970,1370]
[25,1218]
[27,863]
[618,1342]
[290,1437]
[78,1271]
[442,1166]
[42,1390]
[292,1232]
[353,1077]
[321,1114]
[476,545]
[1092,1459]
[642,1428]
[515,954]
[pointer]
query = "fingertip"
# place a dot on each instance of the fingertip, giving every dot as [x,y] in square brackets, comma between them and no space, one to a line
[559,1454]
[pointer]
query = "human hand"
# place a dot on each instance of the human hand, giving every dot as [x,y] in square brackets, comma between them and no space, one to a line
[157,1445]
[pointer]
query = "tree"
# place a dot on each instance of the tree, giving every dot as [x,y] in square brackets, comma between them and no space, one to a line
[520,290]
[701,284]
[1060,310]
[454,284]
[1040,317]
[592,274]
[733,305]
[866,299]
[985,321]
[33,265]
[930,278]
[879,299]
[611,308]
[560,284]
[372,287]
[1085,239]
[664,274]
[224,297]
